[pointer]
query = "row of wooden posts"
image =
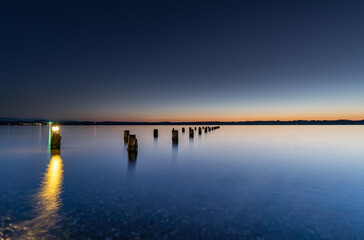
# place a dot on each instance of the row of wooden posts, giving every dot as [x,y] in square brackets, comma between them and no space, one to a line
[133,143]
[132,140]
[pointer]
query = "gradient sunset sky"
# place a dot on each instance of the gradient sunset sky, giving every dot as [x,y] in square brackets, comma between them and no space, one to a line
[182,60]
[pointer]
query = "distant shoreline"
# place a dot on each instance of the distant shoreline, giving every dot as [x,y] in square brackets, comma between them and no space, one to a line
[110,123]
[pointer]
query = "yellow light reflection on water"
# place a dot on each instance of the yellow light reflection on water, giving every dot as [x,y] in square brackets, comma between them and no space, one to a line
[49,194]
[47,201]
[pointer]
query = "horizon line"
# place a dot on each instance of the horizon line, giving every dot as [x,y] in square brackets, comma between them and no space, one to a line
[17,121]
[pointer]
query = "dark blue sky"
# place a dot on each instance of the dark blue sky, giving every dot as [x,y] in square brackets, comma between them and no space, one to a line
[182,60]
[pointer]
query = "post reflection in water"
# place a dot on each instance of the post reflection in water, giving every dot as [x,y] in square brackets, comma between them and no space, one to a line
[174,150]
[155,141]
[174,146]
[132,157]
[47,200]
[125,143]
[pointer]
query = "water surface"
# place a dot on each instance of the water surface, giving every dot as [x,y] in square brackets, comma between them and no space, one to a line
[237,182]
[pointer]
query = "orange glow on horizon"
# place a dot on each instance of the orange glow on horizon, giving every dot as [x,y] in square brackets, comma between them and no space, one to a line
[233,117]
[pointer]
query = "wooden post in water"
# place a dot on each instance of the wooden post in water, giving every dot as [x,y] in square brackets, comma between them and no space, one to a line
[126,135]
[183,130]
[132,143]
[56,141]
[174,136]
[195,128]
[192,133]
[55,152]
[199,130]
[209,129]
[155,133]
[205,129]
[56,137]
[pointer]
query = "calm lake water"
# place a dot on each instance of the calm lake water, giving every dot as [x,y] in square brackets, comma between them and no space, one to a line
[237,182]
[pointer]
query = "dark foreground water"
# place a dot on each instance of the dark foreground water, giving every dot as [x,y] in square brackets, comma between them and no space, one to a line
[237,182]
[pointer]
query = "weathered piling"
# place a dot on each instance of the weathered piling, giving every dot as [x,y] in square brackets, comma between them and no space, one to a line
[55,152]
[155,133]
[132,143]
[126,135]
[175,136]
[56,137]
[195,128]
[205,129]
[192,133]
[56,141]
[199,130]
[183,130]
[209,129]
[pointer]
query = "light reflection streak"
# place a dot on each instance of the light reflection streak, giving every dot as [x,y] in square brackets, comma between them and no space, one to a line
[47,200]
[49,140]
[49,194]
